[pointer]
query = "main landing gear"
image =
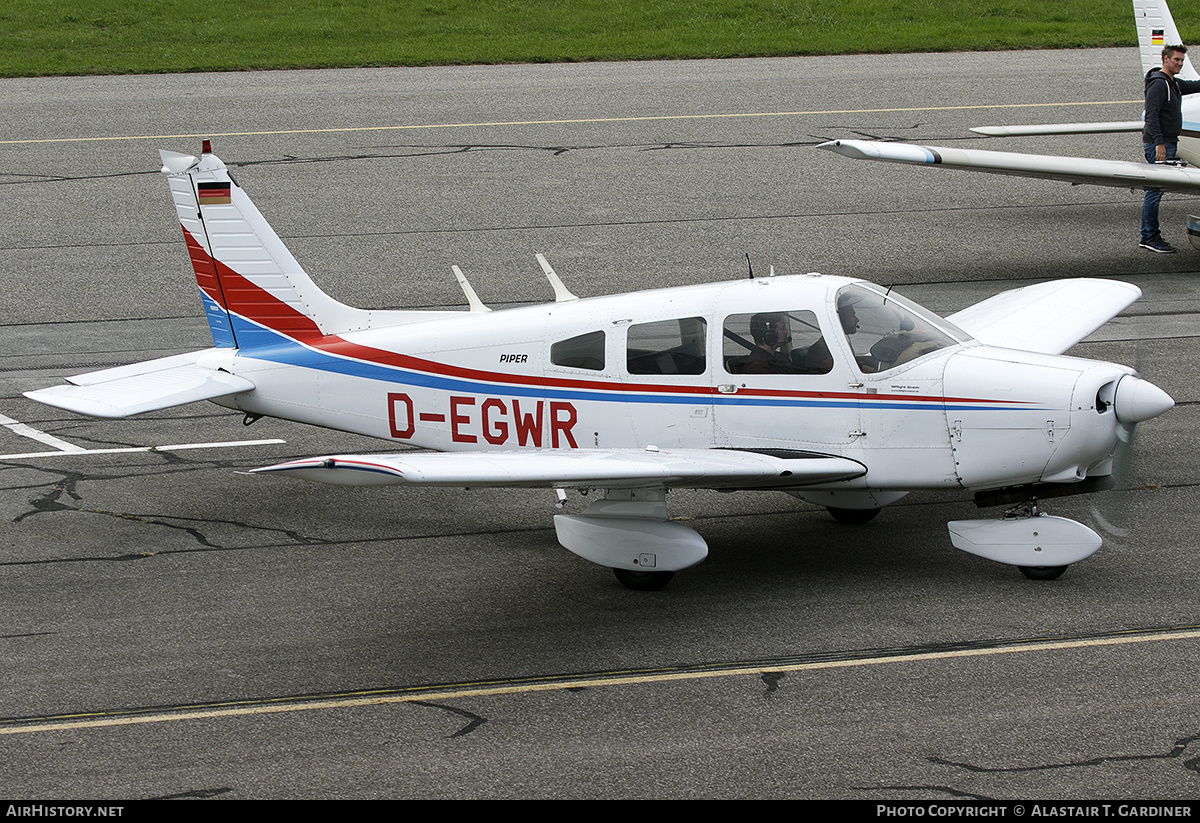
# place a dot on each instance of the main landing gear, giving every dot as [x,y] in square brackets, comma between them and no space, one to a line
[1042,572]
[629,532]
[643,581]
[852,517]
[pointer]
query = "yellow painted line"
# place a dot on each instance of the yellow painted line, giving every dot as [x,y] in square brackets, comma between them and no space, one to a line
[452,692]
[351,129]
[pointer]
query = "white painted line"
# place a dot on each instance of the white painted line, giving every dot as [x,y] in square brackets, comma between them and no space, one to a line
[47,439]
[178,447]
[226,444]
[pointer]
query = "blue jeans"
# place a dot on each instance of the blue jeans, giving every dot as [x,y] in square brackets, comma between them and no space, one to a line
[1153,196]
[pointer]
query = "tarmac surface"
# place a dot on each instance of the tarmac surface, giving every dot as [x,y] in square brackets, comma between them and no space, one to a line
[173,627]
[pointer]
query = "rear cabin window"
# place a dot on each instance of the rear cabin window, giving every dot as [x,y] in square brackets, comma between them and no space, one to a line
[667,347]
[775,342]
[583,352]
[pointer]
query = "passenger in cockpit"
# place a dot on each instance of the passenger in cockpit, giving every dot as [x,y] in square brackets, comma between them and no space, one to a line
[772,337]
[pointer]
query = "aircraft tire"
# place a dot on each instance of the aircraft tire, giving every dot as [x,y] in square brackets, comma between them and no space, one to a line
[852,517]
[643,581]
[1042,572]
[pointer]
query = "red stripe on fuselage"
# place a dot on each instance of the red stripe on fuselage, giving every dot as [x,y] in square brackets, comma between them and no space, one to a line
[234,292]
[332,344]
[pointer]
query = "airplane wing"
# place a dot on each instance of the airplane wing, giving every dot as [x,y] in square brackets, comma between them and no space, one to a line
[1079,170]
[584,468]
[1119,127]
[142,387]
[1048,317]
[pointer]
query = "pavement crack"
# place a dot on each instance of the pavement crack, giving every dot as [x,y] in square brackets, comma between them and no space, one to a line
[927,788]
[195,794]
[62,496]
[475,720]
[1177,750]
[51,500]
[771,679]
[403,151]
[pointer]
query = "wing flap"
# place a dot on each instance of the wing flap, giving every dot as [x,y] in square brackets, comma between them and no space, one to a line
[1048,317]
[613,469]
[1080,170]
[130,390]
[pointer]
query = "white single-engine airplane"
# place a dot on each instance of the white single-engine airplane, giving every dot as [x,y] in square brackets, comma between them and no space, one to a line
[834,390]
[1156,29]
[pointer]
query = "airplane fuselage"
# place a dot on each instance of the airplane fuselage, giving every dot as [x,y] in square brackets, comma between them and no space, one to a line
[1189,138]
[669,369]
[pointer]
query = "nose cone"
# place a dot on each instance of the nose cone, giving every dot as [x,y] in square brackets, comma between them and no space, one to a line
[1137,400]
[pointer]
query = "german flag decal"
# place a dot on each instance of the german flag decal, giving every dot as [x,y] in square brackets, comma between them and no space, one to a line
[214,194]
[1156,37]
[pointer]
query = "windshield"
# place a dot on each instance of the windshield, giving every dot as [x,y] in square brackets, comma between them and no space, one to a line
[886,330]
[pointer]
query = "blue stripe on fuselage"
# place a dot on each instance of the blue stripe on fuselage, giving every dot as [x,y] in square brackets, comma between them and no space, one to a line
[287,351]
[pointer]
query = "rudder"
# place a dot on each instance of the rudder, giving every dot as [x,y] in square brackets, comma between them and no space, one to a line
[252,287]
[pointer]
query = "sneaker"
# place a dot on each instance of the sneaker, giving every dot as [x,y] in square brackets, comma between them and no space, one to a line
[1159,245]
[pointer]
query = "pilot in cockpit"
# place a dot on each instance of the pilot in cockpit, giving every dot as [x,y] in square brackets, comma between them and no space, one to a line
[818,357]
[883,330]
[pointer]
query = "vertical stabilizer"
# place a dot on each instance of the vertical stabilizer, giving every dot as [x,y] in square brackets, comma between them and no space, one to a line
[1156,28]
[253,288]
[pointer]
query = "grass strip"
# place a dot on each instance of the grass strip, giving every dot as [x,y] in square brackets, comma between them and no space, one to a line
[77,37]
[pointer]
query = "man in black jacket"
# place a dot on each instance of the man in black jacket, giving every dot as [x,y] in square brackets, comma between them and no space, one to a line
[1160,134]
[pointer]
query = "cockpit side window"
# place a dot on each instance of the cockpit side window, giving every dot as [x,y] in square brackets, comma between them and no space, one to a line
[774,342]
[583,352]
[667,347]
[886,330]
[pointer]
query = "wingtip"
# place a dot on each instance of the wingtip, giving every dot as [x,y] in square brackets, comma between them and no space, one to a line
[846,148]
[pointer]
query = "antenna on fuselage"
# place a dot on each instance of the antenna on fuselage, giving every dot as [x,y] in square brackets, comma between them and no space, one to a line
[561,293]
[472,298]
[749,265]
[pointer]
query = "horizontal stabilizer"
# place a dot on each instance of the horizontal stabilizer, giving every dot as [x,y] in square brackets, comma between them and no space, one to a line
[144,367]
[142,387]
[587,468]
[1080,170]
[1048,317]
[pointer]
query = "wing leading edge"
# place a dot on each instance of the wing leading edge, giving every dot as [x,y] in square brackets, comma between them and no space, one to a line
[585,468]
[1078,170]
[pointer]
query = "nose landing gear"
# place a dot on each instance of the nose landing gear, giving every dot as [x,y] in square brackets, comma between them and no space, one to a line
[1039,544]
